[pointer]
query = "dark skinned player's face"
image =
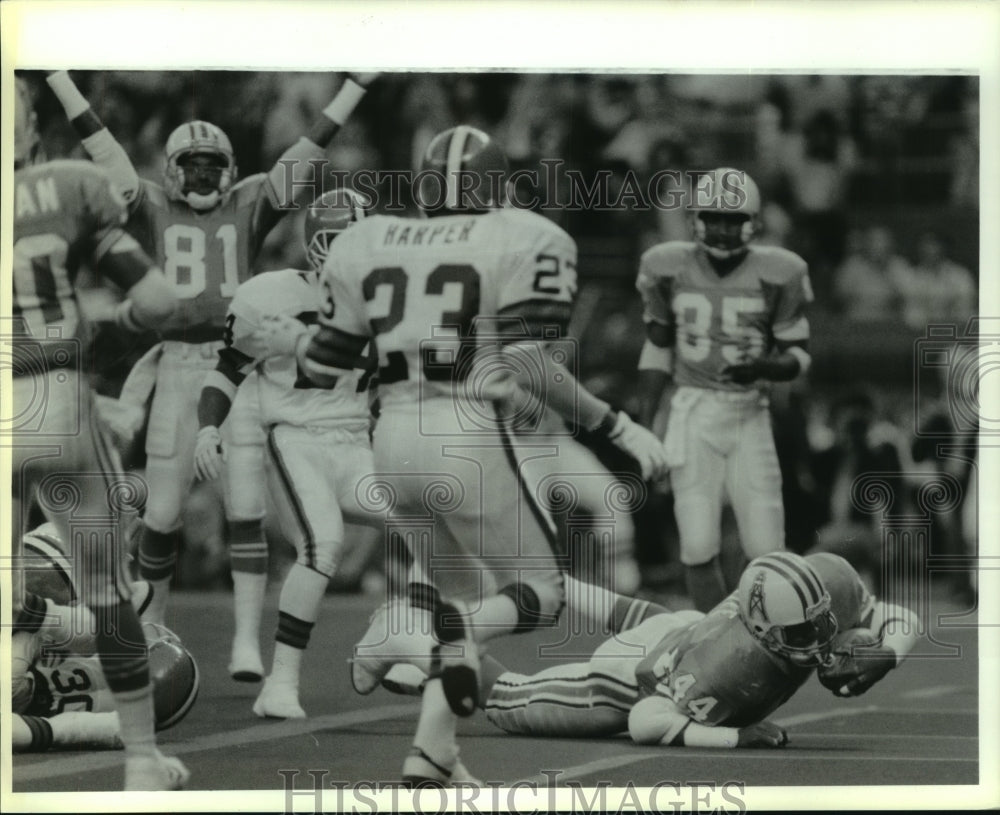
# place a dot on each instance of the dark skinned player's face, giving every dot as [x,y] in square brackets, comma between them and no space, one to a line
[202,172]
[723,229]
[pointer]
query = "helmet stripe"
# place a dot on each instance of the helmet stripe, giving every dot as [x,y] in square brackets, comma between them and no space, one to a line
[795,584]
[456,149]
[806,573]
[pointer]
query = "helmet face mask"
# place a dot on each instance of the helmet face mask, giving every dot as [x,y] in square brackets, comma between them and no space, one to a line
[786,608]
[725,212]
[201,167]
[327,217]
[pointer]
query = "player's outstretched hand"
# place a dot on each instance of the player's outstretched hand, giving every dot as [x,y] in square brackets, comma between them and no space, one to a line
[365,79]
[641,444]
[277,336]
[208,454]
[762,734]
[857,662]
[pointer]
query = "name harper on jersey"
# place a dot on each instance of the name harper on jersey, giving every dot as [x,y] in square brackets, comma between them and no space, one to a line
[397,235]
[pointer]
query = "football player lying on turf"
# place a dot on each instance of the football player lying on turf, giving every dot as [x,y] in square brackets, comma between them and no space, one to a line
[59,694]
[710,680]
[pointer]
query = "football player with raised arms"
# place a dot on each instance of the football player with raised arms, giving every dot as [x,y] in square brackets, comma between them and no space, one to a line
[724,318]
[206,228]
[711,680]
[318,447]
[67,213]
[59,694]
[460,305]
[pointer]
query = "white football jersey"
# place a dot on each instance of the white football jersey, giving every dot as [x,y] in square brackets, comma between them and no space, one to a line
[418,286]
[286,394]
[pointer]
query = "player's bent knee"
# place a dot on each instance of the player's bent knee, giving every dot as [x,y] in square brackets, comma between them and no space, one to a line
[323,559]
[539,602]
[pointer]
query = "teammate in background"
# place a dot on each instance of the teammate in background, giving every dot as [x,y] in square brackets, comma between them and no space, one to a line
[206,229]
[59,694]
[697,680]
[723,319]
[67,213]
[459,306]
[318,447]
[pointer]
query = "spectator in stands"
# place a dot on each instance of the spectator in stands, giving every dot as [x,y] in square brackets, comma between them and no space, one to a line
[867,284]
[937,289]
[818,162]
[858,445]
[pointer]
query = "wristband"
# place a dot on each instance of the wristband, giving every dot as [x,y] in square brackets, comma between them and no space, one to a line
[613,424]
[68,94]
[344,102]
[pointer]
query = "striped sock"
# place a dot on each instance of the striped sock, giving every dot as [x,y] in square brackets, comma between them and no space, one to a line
[247,547]
[158,554]
[38,737]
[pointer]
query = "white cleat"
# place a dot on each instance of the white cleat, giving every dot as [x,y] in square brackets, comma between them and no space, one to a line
[419,769]
[405,679]
[154,772]
[396,633]
[245,664]
[278,700]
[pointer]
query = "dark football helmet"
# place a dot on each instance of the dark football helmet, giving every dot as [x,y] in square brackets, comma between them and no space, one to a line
[463,170]
[327,217]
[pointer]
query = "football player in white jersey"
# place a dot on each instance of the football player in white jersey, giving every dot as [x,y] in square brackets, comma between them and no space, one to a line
[59,694]
[318,446]
[460,305]
[723,318]
[206,228]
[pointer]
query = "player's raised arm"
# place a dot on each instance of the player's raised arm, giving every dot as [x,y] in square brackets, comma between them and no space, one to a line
[293,177]
[97,140]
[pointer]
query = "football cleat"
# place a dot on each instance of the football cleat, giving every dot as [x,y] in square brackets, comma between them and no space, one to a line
[201,167]
[278,700]
[725,212]
[462,170]
[405,680]
[154,772]
[420,770]
[786,607]
[174,675]
[327,217]
[245,664]
[396,633]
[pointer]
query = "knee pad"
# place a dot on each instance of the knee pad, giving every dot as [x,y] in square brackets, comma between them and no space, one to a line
[539,602]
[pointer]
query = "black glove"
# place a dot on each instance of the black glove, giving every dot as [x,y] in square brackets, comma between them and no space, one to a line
[857,662]
[762,734]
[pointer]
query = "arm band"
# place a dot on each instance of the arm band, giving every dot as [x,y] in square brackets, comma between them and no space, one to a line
[343,104]
[69,96]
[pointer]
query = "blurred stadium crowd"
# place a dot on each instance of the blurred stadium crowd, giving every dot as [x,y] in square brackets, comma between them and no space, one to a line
[872,179]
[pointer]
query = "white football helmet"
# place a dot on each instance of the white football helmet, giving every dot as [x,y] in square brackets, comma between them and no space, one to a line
[725,210]
[200,183]
[786,607]
[174,674]
[47,570]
